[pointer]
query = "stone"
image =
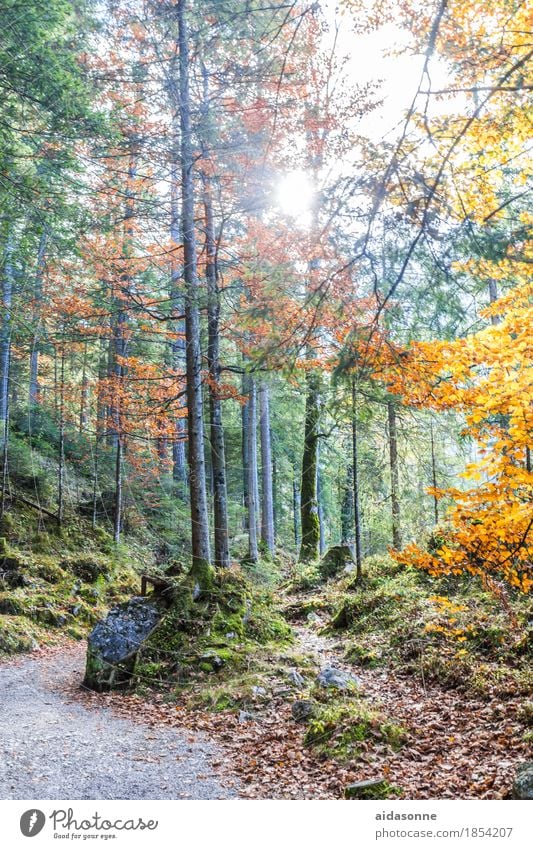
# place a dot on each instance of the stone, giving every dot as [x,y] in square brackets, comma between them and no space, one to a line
[376,788]
[245,716]
[114,642]
[212,660]
[296,679]
[523,782]
[339,679]
[259,691]
[302,710]
[335,561]
[313,617]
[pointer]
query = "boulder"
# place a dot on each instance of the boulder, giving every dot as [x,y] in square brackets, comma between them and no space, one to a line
[114,642]
[336,560]
[302,710]
[296,679]
[523,782]
[339,679]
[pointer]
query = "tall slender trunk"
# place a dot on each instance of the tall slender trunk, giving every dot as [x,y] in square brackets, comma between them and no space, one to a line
[347,507]
[33,393]
[244,451]
[320,502]
[218,456]
[493,296]
[197,488]
[177,345]
[296,510]
[253,549]
[84,396]
[356,496]
[310,525]
[5,335]
[434,476]
[61,451]
[394,474]
[117,515]
[267,494]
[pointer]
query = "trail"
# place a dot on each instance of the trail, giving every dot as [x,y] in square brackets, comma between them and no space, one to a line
[53,747]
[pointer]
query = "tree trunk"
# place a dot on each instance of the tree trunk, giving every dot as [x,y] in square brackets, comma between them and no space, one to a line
[296,510]
[493,296]
[356,498]
[320,502]
[253,550]
[394,475]
[197,488]
[244,451]
[37,306]
[347,508]
[218,456]
[177,345]
[434,476]
[267,494]
[5,336]
[61,451]
[310,525]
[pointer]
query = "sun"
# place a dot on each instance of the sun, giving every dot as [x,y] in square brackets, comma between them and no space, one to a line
[294,196]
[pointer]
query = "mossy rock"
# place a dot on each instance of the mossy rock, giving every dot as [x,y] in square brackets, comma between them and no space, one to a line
[337,729]
[335,561]
[88,567]
[17,635]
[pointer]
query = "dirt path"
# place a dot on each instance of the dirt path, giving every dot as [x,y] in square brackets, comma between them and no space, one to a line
[52,747]
[457,747]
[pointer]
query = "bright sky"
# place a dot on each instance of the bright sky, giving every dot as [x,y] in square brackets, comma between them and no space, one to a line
[368,61]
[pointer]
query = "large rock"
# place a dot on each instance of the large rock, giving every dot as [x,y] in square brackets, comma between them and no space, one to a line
[336,560]
[523,783]
[339,679]
[114,642]
[303,710]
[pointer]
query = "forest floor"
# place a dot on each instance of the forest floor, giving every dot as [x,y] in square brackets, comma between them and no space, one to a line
[63,741]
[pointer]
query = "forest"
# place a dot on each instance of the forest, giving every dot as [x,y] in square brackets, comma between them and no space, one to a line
[266,385]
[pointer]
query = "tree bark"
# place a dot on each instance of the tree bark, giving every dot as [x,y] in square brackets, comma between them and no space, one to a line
[201,559]
[5,336]
[61,451]
[296,510]
[267,493]
[253,548]
[37,306]
[394,474]
[320,502]
[356,497]
[218,454]
[177,346]
[310,525]
[434,476]
[244,451]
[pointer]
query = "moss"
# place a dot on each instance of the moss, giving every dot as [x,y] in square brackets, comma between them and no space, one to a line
[525,713]
[363,655]
[203,574]
[305,576]
[372,790]
[18,635]
[88,567]
[335,561]
[337,729]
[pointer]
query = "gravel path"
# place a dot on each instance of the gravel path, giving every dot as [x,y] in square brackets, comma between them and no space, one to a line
[53,748]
